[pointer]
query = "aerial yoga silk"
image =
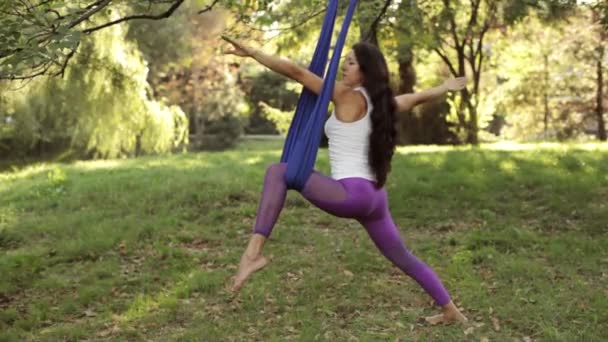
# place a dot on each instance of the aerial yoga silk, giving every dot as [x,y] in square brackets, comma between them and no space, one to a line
[304,135]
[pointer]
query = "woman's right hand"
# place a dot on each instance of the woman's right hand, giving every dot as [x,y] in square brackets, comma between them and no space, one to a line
[238,48]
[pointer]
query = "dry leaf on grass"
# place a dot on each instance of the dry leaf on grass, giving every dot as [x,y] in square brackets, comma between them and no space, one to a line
[495,324]
[122,248]
[110,330]
[469,330]
[90,313]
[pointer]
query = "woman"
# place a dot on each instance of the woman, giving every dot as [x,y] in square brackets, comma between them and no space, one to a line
[362,138]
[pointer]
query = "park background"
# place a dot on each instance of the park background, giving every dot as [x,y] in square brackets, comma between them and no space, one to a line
[132,152]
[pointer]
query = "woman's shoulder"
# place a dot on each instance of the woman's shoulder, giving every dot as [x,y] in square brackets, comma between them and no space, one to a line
[352,106]
[352,94]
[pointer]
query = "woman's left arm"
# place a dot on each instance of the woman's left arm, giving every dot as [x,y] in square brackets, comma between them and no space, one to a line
[406,102]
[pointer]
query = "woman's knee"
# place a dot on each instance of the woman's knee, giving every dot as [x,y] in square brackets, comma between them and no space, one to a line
[276,170]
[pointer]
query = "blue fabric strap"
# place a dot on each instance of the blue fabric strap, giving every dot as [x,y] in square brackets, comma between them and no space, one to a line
[304,135]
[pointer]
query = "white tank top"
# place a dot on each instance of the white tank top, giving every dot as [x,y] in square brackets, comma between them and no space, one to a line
[349,144]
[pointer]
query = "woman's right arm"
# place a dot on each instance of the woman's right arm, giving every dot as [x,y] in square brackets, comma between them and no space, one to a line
[287,68]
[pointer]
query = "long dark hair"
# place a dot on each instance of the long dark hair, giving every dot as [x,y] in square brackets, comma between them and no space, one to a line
[383,138]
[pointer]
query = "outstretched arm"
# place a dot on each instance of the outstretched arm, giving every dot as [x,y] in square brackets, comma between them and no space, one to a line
[406,102]
[284,67]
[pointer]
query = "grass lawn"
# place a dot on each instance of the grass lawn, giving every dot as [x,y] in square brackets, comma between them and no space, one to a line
[143,249]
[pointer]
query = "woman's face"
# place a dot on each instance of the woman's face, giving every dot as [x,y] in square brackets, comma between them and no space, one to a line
[351,74]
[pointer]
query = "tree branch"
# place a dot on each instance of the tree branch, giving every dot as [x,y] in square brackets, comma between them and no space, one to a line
[46,31]
[163,15]
[209,7]
[374,26]
[292,27]
[479,55]
[40,73]
[452,25]
[67,60]
[447,61]
[94,8]
[473,19]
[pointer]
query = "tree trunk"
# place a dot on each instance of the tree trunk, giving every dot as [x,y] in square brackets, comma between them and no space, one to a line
[472,127]
[546,95]
[407,79]
[599,111]
[407,73]
[599,108]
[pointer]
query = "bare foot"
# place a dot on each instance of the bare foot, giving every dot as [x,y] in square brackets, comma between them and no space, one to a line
[450,315]
[246,268]
[446,319]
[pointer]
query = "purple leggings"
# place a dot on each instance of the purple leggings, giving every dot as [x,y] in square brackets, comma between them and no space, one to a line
[355,198]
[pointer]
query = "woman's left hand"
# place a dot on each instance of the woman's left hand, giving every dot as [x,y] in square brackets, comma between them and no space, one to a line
[454,84]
